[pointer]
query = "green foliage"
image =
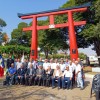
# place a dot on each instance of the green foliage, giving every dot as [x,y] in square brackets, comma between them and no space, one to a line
[10,49]
[51,39]
[18,35]
[82,56]
[2,23]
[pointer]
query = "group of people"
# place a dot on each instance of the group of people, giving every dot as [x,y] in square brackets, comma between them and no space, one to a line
[53,72]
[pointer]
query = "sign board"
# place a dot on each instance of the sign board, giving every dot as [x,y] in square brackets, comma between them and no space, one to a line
[52,26]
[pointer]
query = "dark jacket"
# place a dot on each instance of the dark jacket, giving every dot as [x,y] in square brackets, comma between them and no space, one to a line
[42,73]
[49,75]
[33,71]
[21,72]
[9,62]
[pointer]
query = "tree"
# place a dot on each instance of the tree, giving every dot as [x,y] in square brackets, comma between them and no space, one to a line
[51,40]
[20,37]
[92,29]
[2,35]
[2,24]
[90,33]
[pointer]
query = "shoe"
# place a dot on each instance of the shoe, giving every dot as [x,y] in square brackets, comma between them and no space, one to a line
[78,86]
[81,88]
[58,88]
[53,87]
[67,88]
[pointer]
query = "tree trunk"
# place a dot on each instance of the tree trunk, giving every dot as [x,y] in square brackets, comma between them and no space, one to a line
[97,48]
[46,53]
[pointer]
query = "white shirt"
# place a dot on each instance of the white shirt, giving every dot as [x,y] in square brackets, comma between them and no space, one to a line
[35,64]
[45,65]
[55,64]
[72,67]
[30,63]
[18,65]
[52,65]
[67,73]
[62,67]
[31,71]
[77,69]
[57,73]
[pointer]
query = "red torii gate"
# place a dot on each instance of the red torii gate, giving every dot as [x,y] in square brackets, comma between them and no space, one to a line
[70,24]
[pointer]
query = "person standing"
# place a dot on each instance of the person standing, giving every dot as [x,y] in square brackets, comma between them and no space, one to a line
[78,75]
[82,67]
[18,64]
[46,64]
[9,62]
[40,62]
[62,66]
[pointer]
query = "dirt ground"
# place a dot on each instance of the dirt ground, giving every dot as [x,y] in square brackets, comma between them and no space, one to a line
[20,92]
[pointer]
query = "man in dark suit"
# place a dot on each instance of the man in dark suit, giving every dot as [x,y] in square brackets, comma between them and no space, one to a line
[9,62]
[30,75]
[40,75]
[49,74]
[20,75]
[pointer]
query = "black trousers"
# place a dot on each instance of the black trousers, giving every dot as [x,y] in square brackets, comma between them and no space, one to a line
[29,80]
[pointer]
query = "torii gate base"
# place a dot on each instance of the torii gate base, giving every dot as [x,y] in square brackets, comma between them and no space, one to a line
[70,24]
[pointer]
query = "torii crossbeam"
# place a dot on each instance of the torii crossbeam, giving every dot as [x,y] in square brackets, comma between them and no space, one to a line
[51,14]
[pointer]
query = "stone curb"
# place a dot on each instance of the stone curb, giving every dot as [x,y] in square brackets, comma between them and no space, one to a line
[89,75]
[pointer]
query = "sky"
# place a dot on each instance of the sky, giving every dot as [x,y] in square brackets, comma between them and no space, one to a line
[10,8]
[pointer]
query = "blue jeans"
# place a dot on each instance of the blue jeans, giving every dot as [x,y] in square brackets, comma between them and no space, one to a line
[53,81]
[64,81]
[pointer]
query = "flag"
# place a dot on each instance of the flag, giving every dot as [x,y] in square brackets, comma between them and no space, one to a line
[1,66]
[22,59]
[12,57]
[1,62]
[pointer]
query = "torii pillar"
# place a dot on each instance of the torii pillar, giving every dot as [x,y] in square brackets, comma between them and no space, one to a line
[70,24]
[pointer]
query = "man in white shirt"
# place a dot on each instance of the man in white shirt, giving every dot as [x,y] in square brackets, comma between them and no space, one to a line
[56,63]
[51,64]
[57,76]
[78,75]
[79,62]
[30,62]
[18,64]
[46,64]
[62,66]
[67,76]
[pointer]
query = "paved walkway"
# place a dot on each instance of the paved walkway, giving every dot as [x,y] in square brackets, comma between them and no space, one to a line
[44,93]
